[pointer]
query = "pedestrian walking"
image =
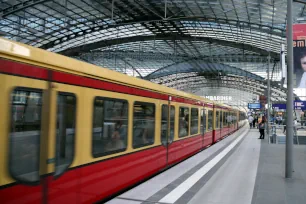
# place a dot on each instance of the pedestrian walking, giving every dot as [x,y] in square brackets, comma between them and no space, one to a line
[262,127]
[254,121]
[251,120]
[284,123]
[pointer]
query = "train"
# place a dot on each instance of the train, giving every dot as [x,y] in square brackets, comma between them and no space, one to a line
[73,132]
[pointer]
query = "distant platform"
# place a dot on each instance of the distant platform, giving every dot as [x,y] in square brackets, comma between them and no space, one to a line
[240,169]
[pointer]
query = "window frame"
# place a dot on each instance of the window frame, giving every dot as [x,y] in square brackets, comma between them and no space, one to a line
[203,126]
[197,119]
[225,113]
[221,119]
[75,131]
[168,130]
[103,119]
[212,120]
[174,119]
[155,112]
[11,172]
[189,117]
[217,120]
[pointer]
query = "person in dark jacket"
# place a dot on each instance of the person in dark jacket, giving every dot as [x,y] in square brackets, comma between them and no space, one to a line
[254,121]
[262,129]
[284,123]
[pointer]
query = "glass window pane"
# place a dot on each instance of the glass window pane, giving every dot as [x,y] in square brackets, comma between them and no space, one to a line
[65,133]
[210,120]
[25,134]
[164,123]
[230,118]
[220,124]
[234,117]
[184,122]
[172,122]
[194,121]
[143,124]
[217,119]
[203,121]
[110,126]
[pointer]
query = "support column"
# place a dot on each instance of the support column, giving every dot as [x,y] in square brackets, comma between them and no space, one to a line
[289,121]
[269,98]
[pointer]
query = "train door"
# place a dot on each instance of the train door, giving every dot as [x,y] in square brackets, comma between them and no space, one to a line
[62,140]
[25,139]
[214,124]
[203,125]
[42,143]
[221,123]
[168,129]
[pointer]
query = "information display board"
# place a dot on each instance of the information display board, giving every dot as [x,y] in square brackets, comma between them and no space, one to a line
[297,105]
[254,105]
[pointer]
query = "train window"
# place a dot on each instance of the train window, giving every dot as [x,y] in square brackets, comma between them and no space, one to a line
[143,124]
[110,126]
[65,131]
[164,123]
[221,124]
[210,120]
[203,121]
[217,119]
[25,133]
[225,119]
[228,118]
[184,122]
[234,117]
[194,121]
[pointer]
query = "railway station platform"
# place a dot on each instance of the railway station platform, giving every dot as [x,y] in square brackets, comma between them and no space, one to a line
[240,169]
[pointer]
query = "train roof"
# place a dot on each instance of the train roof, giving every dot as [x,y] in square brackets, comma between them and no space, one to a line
[28,54]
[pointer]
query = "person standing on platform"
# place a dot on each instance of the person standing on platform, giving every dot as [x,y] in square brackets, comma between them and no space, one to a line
[262,127]
[251,119]
[284,123]
[278,120]
[295,126]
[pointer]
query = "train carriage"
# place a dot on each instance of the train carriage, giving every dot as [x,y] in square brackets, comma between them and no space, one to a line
[72,132]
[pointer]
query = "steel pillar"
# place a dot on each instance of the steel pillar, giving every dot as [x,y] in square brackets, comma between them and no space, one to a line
[289,121]
[269,98]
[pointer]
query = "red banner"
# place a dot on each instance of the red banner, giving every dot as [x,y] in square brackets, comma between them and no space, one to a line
[299,32]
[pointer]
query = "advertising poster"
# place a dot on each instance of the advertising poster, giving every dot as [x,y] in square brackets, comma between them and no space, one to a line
[299,55]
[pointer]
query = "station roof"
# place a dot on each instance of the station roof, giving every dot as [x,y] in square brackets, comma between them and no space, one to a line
[157,39]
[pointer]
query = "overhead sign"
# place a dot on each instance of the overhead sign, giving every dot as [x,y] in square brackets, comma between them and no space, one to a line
[219,98]
[298,105]
[254,105]
[279,106]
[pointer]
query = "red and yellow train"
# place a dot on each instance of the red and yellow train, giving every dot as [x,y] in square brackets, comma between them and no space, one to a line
[72,132]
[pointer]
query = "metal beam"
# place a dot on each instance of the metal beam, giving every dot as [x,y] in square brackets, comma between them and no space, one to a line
[20,6]
[248,85]
[232,80]
[87,60]
[144,20]
[186,67]
[106,43]
[170,56]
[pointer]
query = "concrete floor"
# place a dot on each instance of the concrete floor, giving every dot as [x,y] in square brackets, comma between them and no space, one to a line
[251,172]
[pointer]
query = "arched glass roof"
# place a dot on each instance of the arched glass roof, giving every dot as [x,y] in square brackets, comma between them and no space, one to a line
[139,37]
[203,68]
